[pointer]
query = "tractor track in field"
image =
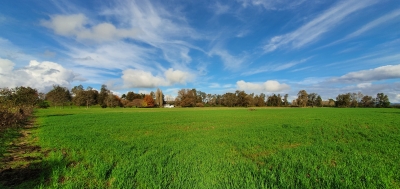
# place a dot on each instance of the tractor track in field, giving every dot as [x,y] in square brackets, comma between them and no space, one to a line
[22,161]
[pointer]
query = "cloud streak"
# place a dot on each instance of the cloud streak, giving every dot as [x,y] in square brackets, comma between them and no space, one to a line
[314,29]
[272,4]
[275,67]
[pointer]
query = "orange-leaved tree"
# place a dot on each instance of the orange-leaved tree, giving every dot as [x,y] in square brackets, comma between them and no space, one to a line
[149,100]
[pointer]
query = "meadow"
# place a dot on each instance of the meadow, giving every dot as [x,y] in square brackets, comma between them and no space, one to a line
[219,148]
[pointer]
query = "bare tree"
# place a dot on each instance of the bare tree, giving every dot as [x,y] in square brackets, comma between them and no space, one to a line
[159,98]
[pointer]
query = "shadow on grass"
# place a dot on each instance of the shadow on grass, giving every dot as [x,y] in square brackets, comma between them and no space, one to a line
[390,112]
[22,163]
[30,176]
[55,115]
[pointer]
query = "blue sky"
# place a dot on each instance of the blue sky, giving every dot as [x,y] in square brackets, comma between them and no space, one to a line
[275,46]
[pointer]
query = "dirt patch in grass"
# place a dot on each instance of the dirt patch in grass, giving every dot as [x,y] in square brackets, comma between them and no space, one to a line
[21,163]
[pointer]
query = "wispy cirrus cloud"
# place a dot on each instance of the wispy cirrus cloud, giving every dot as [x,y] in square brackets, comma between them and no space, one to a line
[275,67]
[219,8]
[272,4]
[391,16]
[230,61]
[141,21]
[313,30]
[394,15]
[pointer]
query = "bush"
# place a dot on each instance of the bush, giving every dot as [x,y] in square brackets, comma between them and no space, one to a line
[43,104]
[199,104]
[14,117]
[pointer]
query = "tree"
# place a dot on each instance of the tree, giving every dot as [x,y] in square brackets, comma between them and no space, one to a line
[148,99]
[318,101]
[274,100]
[302,98]
[78,95]
[382,101]
[112,101]
[84,97]
[285,100]
[312,99]
[59,95]
[241,99]
[353,100]
[159,98]
[343,100]
[331,102]
[367,101]
[186,98]
[130,96]
[229,99]
[20,96]
[25,96]
[104,92]
[153,95]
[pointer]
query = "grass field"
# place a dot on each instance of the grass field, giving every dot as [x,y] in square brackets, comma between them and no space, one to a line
[220,148]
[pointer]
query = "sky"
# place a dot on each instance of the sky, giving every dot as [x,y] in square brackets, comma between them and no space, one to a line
[270,46]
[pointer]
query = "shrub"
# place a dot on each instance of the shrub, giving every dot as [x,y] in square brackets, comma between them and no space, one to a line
[199,104]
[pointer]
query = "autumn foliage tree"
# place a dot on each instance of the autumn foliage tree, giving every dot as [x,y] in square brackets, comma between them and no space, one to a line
[148,99]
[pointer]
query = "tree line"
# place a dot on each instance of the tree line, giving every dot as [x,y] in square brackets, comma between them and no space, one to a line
[81,97]
[193,97]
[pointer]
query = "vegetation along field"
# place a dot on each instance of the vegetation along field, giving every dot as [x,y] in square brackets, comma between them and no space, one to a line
[219,148]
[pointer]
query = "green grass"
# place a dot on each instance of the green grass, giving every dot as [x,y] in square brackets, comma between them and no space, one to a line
[221,148]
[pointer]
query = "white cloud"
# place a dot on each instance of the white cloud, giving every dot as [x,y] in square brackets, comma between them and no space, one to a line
[273,4]
[214,85]
[220,8]
[13,53]
[110,56]
[275,67]
[313,30]
[142,21]
[380,73]
[268,86]
[49,54]
[6,66]
[371,25]
[39,75]
[390,16]
[364,85]
[66,24]
[177,76]
[140,78]
[243,33]
[230,62]
[144,79]
[77,25]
